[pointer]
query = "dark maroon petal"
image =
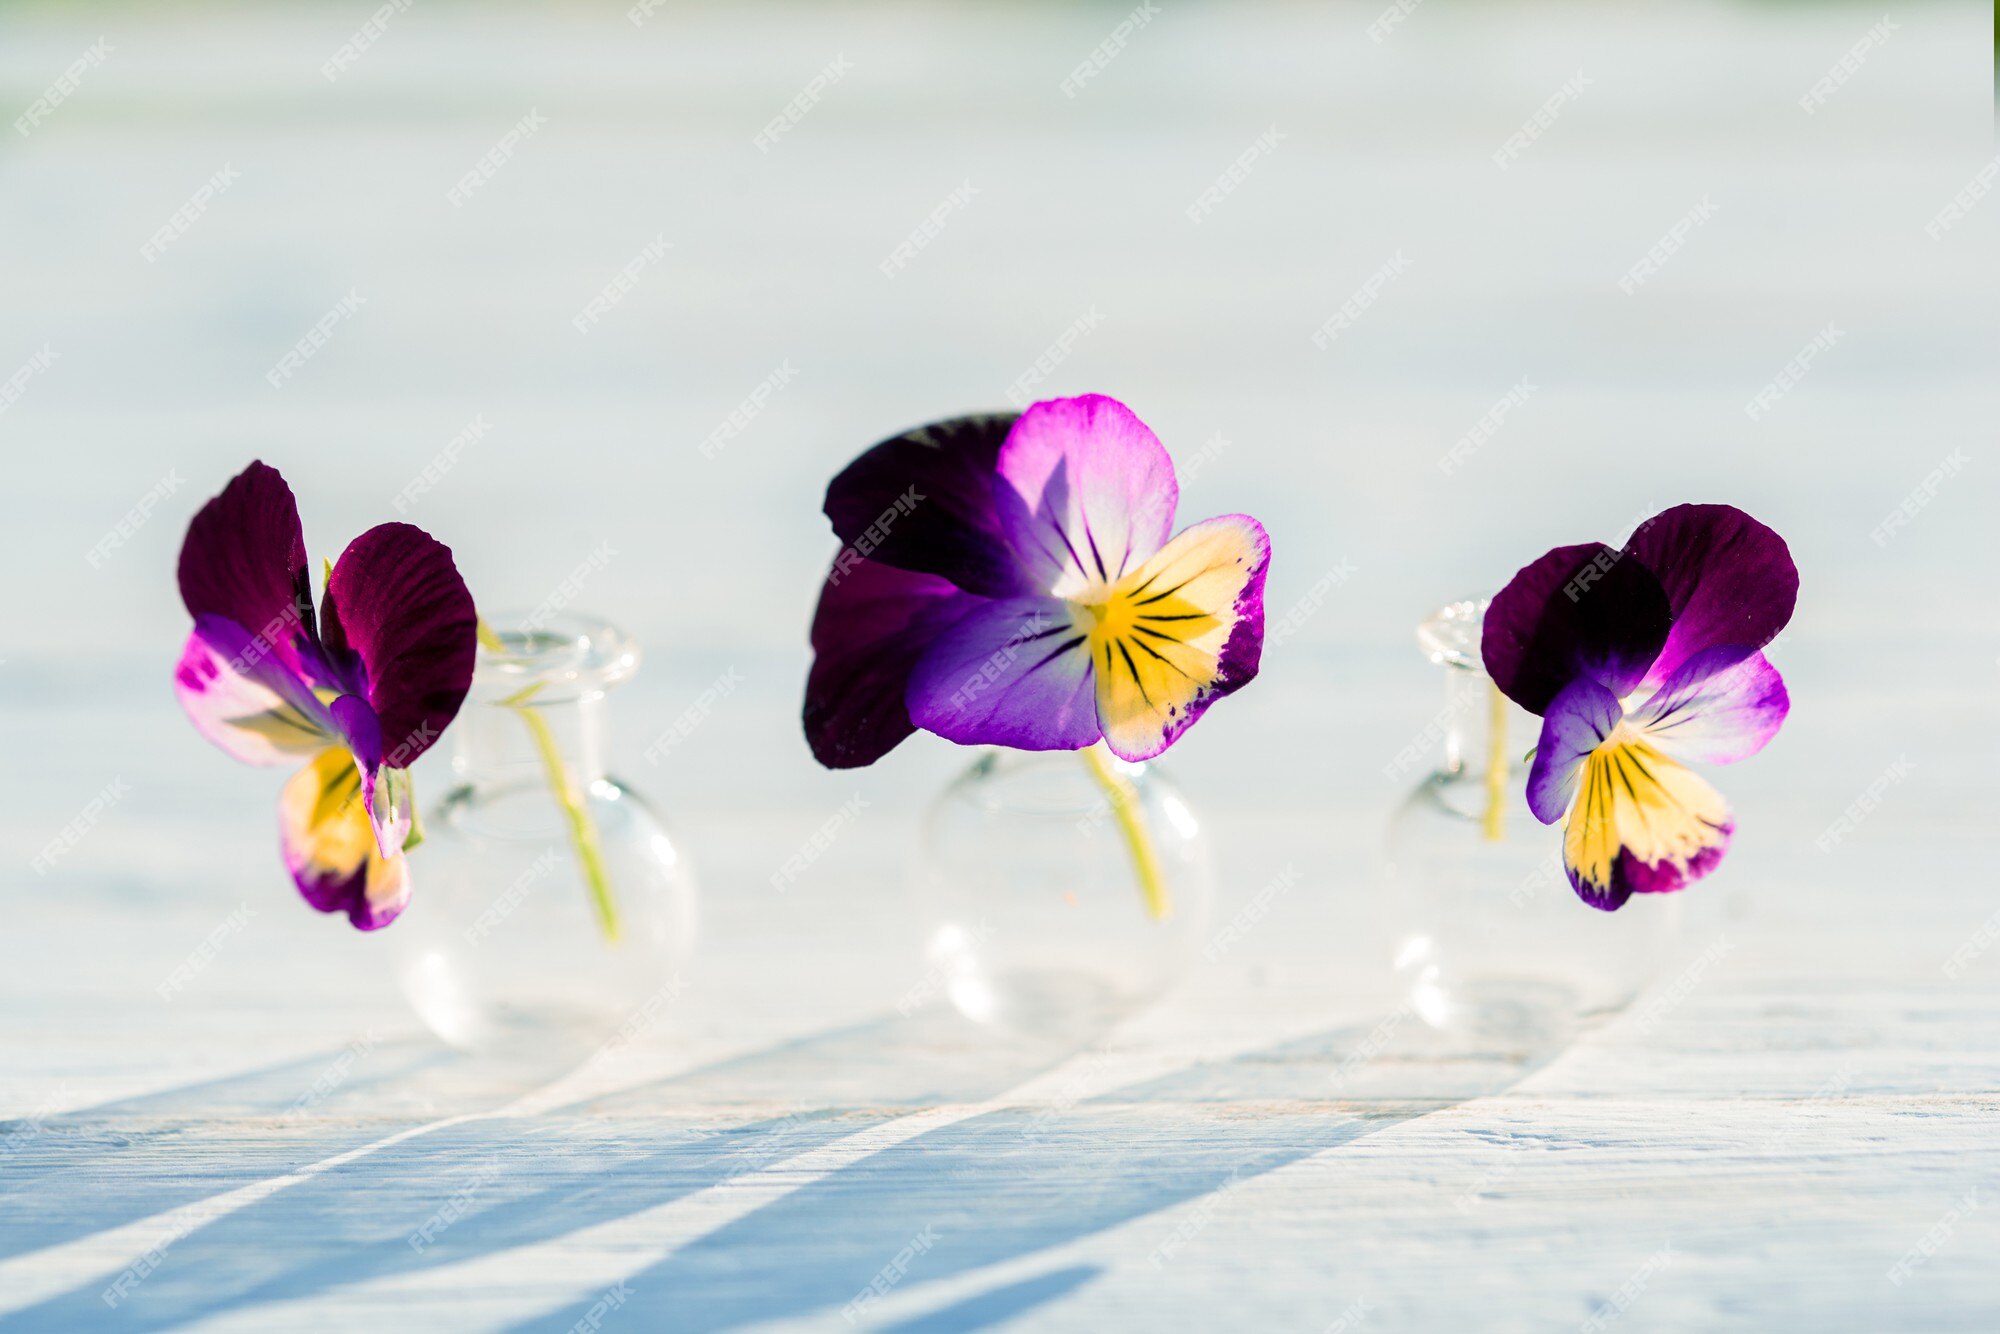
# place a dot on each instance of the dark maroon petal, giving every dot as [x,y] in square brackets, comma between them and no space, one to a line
[1584,611]
[1728,578]
[244,559]
[924,501]
[874,621]
[1665,877]
[401,632]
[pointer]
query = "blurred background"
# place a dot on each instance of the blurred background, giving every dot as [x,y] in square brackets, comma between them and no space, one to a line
[611,290]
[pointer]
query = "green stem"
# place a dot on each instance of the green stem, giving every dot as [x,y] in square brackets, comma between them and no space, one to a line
[1124,799]
[1495,822]
[582,829]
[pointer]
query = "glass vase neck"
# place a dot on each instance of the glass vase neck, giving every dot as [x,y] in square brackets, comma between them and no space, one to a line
[542,687]
[1450,638]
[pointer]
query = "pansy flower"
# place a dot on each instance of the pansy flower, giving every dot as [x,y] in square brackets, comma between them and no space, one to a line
[1015,580]
[1637,659]
[358,691]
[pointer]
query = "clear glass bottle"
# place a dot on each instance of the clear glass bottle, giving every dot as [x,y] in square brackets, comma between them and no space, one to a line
[1487,924]
[1028,867]
[507,943]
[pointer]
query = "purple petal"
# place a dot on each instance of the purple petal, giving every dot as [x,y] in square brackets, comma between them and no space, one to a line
[1721,705]
[401,632]
[1577,722]
[925,501]
[255,708]
[1581,611]
[1728,578]
[1097,492]
[1009,672]
[874,621]
[244,559]
[330,849]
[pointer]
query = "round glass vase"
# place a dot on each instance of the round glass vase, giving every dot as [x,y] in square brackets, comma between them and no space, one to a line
[549,908]
[1488,930]
[1068,889]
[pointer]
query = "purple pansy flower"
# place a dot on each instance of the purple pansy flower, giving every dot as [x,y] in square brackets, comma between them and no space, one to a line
[1636,659]
[1015,581]
[362,689]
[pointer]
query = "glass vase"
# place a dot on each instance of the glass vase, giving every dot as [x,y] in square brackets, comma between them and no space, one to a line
[1067,890]
[550,910]
[1487,925]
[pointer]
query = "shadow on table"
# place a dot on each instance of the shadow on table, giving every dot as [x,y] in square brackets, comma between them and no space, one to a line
[1018,1181]
[80,1172]
[995,1187]
[460,1191]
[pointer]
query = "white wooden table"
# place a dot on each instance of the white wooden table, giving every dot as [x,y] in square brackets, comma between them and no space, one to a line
[1758,1146]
